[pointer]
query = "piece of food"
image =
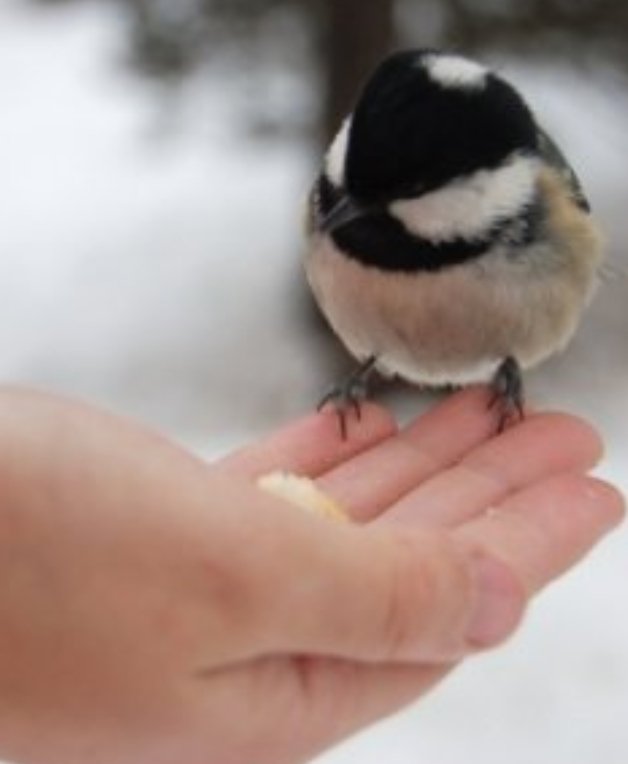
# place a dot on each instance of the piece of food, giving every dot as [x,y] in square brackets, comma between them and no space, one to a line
[303,493]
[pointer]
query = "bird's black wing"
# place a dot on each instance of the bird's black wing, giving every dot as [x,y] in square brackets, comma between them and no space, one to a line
[550,152]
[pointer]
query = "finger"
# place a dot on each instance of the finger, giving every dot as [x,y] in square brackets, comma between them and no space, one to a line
[540,533]
[311,586]
[382,474]
[543,445]
[415,597]
[311,445]
[543,530]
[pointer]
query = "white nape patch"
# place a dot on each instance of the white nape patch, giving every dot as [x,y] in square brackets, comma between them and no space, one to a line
[337,154]
[469,206]
[452,71]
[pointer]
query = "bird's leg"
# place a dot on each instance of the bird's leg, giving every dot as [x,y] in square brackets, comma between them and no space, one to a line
[349,394]
[507,393]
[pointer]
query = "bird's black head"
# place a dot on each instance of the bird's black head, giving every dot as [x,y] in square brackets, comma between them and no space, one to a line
[425,118]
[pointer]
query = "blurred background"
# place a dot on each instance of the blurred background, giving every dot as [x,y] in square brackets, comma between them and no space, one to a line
[154,158]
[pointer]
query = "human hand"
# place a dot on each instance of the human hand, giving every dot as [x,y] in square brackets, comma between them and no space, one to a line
[158,609]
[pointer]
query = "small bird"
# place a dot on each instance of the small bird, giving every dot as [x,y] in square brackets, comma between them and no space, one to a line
[450,242]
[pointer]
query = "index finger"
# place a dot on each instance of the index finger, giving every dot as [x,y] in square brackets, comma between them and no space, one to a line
[312,445]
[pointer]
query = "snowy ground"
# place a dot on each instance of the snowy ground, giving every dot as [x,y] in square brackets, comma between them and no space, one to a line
[156,275]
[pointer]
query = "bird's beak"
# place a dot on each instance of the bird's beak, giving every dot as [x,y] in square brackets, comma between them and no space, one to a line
[345,211]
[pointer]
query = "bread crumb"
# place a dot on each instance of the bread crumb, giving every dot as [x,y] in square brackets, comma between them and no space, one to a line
[303,493]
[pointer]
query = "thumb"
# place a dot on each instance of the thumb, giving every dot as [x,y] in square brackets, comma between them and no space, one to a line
[382,594]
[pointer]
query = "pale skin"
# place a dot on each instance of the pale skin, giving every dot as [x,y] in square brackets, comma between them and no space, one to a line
[154,608]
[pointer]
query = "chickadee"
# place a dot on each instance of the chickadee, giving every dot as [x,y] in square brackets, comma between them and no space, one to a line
[450,241]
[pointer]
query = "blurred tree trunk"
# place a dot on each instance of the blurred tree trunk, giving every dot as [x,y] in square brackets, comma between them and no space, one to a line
[355,35]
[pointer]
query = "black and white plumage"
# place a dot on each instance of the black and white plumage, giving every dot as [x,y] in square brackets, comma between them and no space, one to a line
[450,241]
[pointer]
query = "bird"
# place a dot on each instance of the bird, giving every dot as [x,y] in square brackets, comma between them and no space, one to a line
[449,240]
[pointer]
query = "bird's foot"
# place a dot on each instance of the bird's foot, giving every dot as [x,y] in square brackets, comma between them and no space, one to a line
[507,393]
[349,394]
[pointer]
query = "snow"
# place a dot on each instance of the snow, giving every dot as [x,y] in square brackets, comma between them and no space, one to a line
[135,269]
[157,274]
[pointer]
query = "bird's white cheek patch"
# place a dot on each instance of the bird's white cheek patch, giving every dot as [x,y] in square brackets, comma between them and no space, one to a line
[470,206]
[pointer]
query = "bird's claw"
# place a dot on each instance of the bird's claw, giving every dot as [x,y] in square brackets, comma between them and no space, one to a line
[507,394]
[349,395]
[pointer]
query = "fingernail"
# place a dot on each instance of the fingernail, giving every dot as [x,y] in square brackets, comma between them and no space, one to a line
[499,605]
